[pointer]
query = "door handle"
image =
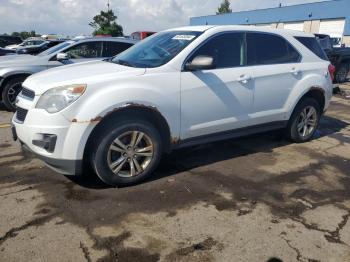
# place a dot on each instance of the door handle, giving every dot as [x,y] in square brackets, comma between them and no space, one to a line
[244,79]
[295,71]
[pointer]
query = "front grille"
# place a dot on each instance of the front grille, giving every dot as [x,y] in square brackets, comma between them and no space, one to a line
[28,93]
[21,114]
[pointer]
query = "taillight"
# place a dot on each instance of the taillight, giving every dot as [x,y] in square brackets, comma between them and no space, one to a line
[331,69]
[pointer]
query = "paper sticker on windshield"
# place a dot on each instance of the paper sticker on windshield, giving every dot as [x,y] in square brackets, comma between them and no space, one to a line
[184,37]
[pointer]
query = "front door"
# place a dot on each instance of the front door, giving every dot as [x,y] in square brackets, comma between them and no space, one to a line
[217,100]
[81,52]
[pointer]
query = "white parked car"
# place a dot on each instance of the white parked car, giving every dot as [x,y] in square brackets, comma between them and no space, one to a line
[27,43]
[16,68]
[178,88]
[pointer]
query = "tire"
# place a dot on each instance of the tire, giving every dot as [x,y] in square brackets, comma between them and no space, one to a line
[10,91]
[342,73]
[294,131]
[103,159]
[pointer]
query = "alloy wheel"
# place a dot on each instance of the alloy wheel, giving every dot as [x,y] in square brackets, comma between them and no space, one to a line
[307,121]
[13,92]
[130,154]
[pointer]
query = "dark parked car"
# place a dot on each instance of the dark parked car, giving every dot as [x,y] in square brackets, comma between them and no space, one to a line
[34,50]
[6,40]
[4,51]
[339,57]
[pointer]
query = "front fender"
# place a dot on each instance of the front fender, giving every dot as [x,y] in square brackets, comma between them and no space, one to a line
[11,71]
[98,102]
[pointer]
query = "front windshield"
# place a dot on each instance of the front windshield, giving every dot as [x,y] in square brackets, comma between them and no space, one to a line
[157,50]
[55,48]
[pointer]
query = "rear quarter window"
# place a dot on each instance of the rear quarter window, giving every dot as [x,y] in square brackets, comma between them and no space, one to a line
[313,45]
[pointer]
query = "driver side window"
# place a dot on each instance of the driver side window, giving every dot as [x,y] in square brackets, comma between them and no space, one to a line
[227,49]
[85,50]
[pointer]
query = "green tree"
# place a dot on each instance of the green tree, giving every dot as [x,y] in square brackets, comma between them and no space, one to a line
[224,7]
[24,34]
[106,24]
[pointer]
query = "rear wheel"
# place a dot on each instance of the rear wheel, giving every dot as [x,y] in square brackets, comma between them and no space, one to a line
[304,121]
[127,152]
[10,91]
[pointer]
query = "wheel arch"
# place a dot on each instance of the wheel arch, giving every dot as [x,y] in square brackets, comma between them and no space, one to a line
[149,113]
[7,78]
[315,92]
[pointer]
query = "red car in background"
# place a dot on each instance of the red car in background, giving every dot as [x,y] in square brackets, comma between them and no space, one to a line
[141,35]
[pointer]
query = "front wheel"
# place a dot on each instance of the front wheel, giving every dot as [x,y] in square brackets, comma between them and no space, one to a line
[304,121]
[10,91]
[127,152]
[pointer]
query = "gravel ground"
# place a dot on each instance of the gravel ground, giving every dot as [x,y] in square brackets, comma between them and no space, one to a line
[249,199]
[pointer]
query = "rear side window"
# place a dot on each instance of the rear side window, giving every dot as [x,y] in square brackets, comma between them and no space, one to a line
[228,50]
[268,49]
[313,45]
[114,48]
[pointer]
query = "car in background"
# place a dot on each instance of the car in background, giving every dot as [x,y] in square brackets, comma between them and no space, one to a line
[15,69]
[339,57]
[4,51]
[6,40]
[34,50]
[27,43]
[141,35]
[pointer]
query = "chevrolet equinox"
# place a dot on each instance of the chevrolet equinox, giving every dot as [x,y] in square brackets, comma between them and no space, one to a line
[178,88]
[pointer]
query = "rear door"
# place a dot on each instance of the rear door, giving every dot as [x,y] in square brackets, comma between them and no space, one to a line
[275,69]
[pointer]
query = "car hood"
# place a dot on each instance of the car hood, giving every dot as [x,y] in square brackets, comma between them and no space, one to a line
[16,60]
[81,73]
[12,46]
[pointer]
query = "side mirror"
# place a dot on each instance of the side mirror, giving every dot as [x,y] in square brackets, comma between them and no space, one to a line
[62,57]
[200,62]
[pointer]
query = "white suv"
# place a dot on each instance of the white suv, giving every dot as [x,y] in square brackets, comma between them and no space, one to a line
[178,88]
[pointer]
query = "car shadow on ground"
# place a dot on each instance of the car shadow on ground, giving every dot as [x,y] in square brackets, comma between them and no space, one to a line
[183,160]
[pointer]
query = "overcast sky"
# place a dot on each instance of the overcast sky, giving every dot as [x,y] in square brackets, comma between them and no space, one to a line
[71,17]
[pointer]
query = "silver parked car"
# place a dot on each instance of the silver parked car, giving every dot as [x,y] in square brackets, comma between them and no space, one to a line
[16,68]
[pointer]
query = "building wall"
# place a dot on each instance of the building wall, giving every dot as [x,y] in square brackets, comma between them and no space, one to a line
[346,40]
[312,12]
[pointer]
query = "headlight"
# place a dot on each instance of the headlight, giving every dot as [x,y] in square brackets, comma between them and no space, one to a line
[57,99]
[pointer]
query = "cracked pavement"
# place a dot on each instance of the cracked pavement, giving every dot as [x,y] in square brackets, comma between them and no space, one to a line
[248,199]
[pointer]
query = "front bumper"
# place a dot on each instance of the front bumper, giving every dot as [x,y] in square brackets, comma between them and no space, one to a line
[53,138]
[65,167]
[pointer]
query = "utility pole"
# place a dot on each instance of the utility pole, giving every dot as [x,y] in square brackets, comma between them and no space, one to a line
[108,5]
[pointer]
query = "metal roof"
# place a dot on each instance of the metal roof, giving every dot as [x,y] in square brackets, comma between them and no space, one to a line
[303,12]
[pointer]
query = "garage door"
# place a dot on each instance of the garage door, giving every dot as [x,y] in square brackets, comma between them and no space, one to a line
[294,26]
[264,25]
[334,28]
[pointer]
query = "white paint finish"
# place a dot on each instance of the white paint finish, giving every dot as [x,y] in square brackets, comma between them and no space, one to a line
[334,28]
[294,26]
[193,103]
[277,81]
[214,101]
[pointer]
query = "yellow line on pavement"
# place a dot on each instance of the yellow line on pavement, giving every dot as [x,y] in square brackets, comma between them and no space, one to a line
[5,125]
